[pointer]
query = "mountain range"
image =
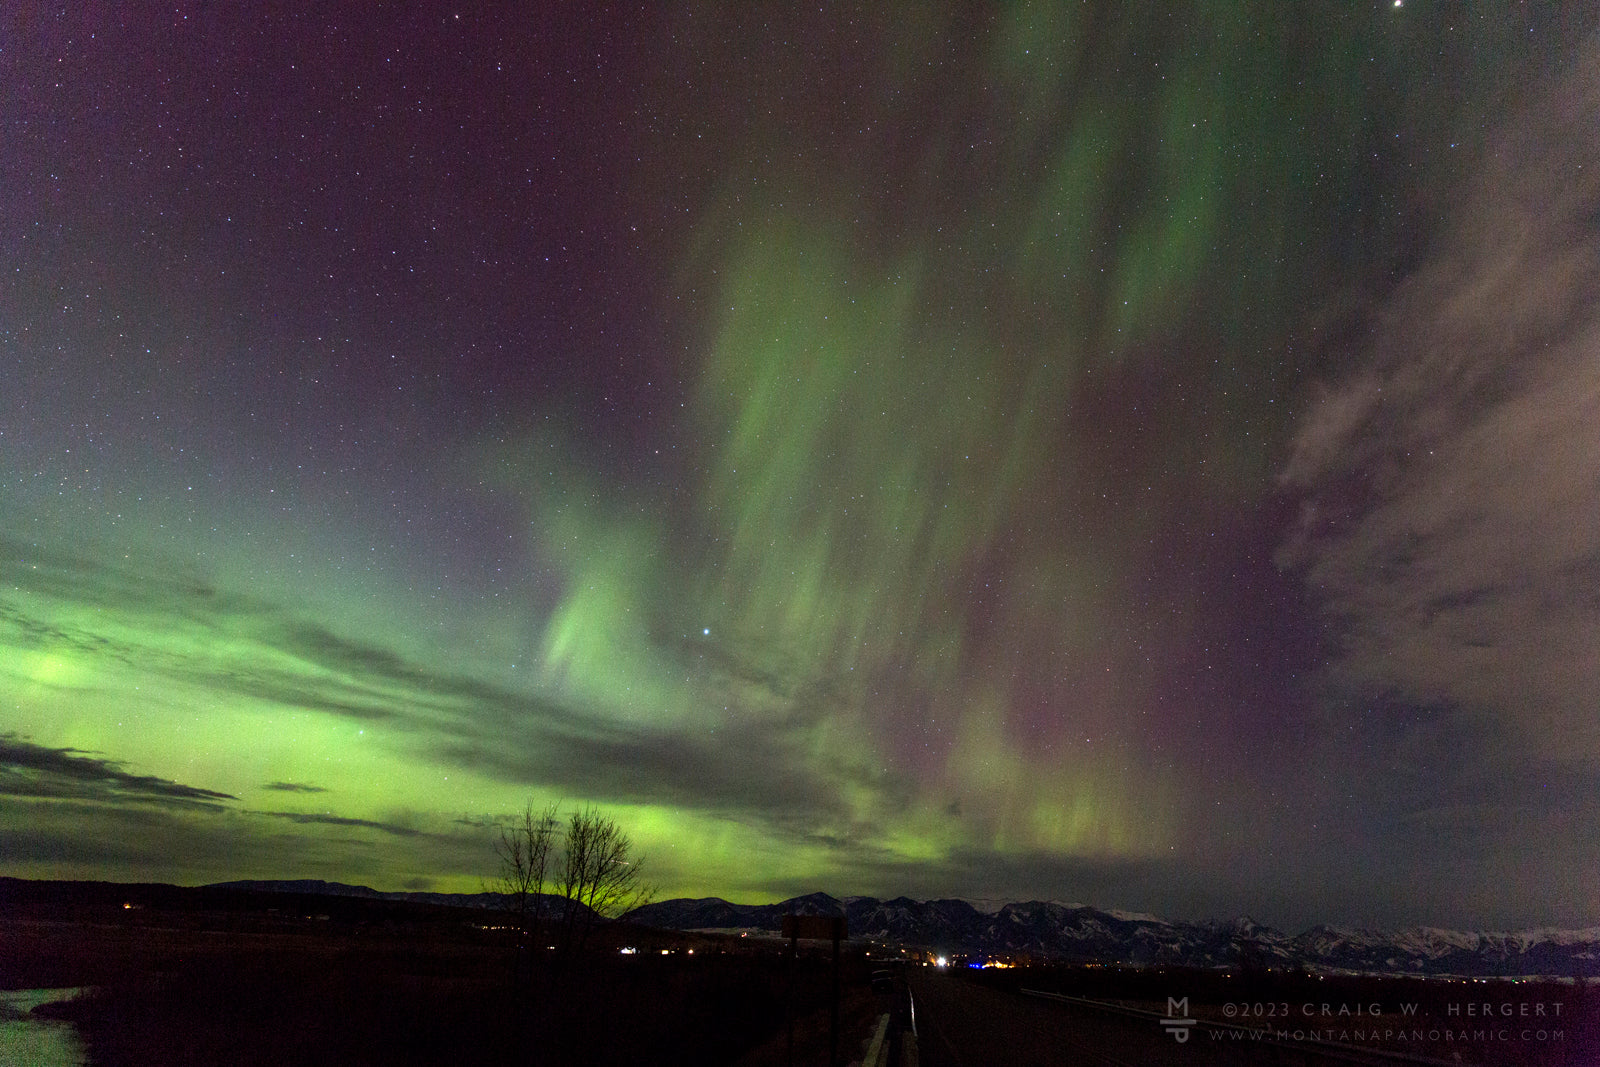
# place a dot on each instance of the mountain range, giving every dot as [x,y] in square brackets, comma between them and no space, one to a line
[1047,929]
[316,886]
[1078,932]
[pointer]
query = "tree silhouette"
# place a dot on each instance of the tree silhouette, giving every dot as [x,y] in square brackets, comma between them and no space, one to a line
[600,876]
[525,851]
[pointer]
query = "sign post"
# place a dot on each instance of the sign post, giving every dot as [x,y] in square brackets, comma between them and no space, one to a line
[818,928]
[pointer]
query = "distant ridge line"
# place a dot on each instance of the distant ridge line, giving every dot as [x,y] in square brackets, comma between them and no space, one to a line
[1052,930]
[1067,932]
[1043,930]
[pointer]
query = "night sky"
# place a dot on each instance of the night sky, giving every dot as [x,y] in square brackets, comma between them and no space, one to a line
[1140,454]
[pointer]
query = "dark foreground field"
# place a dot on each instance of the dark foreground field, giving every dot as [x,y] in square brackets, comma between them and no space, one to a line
[1093,1014]
[205,977]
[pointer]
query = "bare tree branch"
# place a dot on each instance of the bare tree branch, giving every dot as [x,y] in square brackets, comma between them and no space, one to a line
[600,875]
[524,849]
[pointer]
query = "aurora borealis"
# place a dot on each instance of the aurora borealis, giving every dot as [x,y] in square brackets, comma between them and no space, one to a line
[1047,450]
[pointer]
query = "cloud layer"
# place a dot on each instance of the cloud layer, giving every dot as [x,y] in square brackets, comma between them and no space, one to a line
[1452,479]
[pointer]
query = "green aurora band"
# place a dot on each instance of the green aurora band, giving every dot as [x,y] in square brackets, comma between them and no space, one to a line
[980,318]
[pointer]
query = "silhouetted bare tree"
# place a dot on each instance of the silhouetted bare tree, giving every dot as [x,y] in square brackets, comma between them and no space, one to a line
[600,876]
[525,850]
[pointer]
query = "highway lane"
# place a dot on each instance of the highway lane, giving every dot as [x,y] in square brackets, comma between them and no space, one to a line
[963,1024]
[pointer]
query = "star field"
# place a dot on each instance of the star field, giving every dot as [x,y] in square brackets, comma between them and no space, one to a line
[1031,451]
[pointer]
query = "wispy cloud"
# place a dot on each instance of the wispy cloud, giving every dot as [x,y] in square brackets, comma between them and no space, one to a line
[320,819]
[29,770]
[1452,480]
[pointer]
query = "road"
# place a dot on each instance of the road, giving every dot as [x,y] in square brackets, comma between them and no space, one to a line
[964,1024]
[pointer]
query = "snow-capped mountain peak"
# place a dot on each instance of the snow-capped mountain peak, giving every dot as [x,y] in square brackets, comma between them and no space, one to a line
[1068,931]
